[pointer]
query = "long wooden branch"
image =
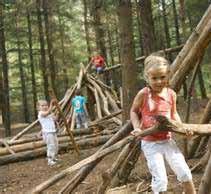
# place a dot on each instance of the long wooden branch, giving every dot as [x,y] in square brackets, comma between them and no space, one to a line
[164,124]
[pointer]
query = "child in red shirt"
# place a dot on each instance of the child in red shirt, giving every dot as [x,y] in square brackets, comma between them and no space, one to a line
[99,63]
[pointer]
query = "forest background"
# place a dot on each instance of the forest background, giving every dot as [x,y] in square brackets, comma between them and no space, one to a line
[42,44]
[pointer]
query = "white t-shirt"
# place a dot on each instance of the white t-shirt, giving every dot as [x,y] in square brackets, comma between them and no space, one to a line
[47,123]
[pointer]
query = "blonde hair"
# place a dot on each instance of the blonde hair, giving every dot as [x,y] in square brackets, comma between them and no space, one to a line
[154,61]
[40,102]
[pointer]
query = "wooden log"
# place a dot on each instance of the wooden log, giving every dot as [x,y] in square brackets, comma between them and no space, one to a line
[65,121]
[82,163]
[64,138]
[24,131]
[182,128]
[197,50]
[205,119]
[205,186]
[83,173]
[28,155]
[127,166]
[164,125]
[109,174]
[191,41]
[10,150]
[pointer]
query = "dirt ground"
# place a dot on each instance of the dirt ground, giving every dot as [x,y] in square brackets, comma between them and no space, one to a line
[20,178]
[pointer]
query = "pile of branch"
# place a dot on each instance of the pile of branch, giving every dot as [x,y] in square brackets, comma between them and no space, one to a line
[119,140]
[107,119]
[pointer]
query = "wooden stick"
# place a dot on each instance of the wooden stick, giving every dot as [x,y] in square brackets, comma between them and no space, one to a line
[7,146]
[51,92]
[24,131]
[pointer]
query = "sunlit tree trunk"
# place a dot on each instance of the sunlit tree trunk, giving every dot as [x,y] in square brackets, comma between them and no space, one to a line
[127,53]
[4,83]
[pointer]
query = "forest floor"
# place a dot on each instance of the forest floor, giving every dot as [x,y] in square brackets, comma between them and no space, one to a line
[20,178]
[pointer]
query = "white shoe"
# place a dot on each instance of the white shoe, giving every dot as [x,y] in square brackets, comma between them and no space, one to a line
[51,163]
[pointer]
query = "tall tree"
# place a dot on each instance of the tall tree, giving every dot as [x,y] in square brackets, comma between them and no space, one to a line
[21,69]
[86,27]
[64,65]
[176,22]
[166,27]
[48,24]
[31,58]
[4,83]
[127,54]
[98,26]
[148,36]
[42,49]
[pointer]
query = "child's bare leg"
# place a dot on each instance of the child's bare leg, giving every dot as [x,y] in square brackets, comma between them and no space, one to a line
[189,187]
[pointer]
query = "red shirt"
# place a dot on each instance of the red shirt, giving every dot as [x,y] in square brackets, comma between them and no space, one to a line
[156,105]
[98,61]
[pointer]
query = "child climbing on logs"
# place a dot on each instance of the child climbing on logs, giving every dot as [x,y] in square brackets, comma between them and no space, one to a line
[98,63]
[47,121]
[158,99]
[79,106]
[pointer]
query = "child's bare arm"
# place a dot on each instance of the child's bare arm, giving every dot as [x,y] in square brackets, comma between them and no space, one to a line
[134,112]
[177,118]
[175,114]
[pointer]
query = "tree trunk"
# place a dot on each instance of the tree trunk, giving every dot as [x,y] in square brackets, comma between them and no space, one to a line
[86,27]
[193,54]
[22,74]
[176,22]
[64,65]
[129,67]
[201,84]
[148,36]
[48,33]
[42,49]
[205,119]
[205,186]
[4,83]
[98,26]
[139,28]
[166,27]
[34,89]
[182,18]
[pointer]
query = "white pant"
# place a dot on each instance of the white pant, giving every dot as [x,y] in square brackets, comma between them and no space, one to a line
[155,152]
[52,144]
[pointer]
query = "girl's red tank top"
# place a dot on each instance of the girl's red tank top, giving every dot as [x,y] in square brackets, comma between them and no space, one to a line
[156,105]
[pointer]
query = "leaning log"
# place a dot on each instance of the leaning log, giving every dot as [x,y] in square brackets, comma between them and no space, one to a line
[107,176]
[82,163]
[195,52]
[191,41]
[205,119]
[205,186]
[164,124]
[83,173]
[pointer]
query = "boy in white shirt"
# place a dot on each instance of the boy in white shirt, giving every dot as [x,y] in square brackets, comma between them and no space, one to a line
[47,121]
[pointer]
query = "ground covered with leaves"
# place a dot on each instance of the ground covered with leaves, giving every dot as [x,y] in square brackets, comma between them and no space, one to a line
[20,178]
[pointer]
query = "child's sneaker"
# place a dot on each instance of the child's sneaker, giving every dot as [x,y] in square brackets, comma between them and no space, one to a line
[56,160]
[51,163]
